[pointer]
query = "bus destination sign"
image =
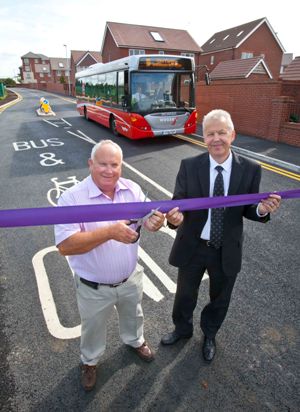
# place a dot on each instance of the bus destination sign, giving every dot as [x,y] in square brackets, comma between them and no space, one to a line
[164,63]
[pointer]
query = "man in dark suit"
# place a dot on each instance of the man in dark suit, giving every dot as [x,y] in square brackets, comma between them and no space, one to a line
[211,239]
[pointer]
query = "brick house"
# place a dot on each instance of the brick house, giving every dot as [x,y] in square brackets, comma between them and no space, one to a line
[253,39]
[35,68]
[121,40]
[80,60]
[39,70]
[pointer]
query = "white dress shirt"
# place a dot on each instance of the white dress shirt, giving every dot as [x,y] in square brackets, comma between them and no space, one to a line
[226,172]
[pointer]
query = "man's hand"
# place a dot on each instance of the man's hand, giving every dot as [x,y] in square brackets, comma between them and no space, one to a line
[155,222]
[175,217]
[121,232]
[269,205]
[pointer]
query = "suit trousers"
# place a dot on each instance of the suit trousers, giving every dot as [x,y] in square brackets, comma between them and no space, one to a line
[95,307]
[220,288]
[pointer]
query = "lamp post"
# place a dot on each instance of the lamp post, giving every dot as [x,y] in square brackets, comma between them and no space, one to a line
[68,67]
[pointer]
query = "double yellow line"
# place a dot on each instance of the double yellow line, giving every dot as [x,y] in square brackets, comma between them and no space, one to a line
[266,166]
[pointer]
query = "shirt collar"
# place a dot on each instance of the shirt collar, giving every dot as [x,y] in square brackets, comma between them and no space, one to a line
[94,190]
[226,165]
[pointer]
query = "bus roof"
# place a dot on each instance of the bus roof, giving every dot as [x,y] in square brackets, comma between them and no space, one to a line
[129,62]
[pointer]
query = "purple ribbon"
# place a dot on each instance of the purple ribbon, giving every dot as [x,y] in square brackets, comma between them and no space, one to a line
[125,211]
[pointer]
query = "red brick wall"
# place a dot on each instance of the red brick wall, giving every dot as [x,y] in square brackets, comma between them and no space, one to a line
[291,88]
[290,134]
[258,108]
[248,102]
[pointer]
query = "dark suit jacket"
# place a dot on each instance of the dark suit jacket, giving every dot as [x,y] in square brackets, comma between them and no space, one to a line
[192,182]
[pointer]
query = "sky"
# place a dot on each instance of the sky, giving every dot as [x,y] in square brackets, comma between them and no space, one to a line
[43,27]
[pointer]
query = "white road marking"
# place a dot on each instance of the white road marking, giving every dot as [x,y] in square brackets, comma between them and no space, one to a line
[159,273]
[86,138]
[66,121]
[52,124]
[46,298]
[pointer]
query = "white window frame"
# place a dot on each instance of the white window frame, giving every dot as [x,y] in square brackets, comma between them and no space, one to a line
[133,52]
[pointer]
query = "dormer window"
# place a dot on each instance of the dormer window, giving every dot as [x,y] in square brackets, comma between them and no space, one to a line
[60,64]
[156,36]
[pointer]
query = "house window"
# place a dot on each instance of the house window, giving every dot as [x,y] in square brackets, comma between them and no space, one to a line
[212,41]
[41,74]
[36,60]
[58,73]
[26,61]
[188,54]
[136,51]
[156,36]
[161,52]
[27,69]
[226,37]
[212,59]
[28,76]
[241,32]
[246,55]
[60,64]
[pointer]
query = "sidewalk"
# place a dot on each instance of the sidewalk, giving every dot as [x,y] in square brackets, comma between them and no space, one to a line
[278,154]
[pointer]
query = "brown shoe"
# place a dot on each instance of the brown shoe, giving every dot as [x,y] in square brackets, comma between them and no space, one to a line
[88,376]
[144,352]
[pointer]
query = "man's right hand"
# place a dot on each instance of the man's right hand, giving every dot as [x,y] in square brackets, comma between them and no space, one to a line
[121,232]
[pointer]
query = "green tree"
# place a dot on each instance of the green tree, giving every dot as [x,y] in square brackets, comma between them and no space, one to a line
[8,82]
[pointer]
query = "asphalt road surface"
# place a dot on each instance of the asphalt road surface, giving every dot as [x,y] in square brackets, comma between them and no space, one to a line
[257,363]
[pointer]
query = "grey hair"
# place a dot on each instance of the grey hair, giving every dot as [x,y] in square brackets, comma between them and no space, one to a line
[218,114]
[103,143]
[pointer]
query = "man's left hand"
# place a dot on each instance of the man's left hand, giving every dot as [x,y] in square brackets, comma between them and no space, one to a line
[269,205]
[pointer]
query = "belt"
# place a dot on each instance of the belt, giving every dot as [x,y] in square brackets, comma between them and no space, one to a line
[206,243]
[95,285]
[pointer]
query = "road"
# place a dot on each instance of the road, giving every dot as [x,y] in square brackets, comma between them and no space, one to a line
[257,361]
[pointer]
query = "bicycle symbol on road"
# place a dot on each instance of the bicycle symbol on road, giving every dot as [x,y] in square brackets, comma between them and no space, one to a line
[59,187]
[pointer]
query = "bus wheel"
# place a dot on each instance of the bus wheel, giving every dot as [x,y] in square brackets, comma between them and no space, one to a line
[113,126]
[85,113]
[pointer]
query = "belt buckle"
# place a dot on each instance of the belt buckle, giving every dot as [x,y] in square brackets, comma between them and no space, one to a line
[114,285]
[208,243]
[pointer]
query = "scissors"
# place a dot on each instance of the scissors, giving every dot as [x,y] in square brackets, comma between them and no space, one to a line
[139,222]
[142,220]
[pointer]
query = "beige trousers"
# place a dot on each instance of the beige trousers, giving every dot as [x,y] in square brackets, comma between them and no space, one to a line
[96,305]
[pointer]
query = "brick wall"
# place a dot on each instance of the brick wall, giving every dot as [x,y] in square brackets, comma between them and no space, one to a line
[250,103]
[257,107]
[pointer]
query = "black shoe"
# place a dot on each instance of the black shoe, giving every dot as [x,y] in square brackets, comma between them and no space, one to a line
[173,337]
[209,348]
